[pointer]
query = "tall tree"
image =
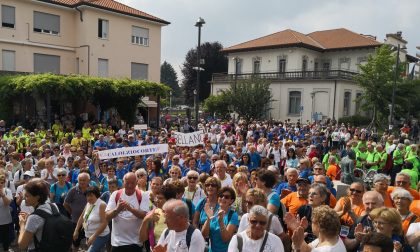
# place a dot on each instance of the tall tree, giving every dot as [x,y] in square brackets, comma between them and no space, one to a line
[215,61]
[169,77]
[376,78]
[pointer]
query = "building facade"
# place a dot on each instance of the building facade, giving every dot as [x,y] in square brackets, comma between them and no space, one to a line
[311,75]
[97,38]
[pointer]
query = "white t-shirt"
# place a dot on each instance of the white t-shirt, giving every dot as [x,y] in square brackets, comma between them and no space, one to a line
[275,227]
[338,247]
[412,229]
[5,216]
[20,189]
[177,241]
[125,226]
[195,196]
[49,179]
[273,244]
[226,182]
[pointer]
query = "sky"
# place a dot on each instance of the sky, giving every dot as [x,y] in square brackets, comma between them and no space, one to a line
[235,21]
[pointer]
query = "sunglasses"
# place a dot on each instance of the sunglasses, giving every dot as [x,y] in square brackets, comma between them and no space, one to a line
[61,175]
[193,178]
[255,222]
[225,196]
[355,190]
[211,185]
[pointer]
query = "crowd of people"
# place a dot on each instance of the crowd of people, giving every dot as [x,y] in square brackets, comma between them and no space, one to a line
[251,186]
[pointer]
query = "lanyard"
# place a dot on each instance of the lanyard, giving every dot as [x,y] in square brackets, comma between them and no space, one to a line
[88,214]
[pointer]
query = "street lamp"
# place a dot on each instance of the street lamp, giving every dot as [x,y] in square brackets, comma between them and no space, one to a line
[394,87]
[200,22]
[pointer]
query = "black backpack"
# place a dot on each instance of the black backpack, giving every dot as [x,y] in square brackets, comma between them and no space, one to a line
[57,233]
[190,231]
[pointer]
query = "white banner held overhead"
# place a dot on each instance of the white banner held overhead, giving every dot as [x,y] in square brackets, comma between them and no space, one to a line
[133,151]
[140,126]
[189,139]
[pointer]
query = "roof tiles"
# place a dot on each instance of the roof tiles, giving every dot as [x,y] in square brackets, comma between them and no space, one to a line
[319,40]
[110,5]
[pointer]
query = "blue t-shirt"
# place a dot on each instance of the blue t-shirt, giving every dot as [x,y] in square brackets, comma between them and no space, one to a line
[274,199]
[60,192]
[285,185]
[216,242]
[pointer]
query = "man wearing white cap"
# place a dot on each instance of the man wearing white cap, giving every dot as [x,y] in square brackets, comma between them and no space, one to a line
[18,178]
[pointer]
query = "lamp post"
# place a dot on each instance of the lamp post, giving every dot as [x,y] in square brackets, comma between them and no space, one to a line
[195,104]
[200,22]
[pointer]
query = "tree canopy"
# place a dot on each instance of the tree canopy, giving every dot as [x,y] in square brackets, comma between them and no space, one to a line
[249,98]
[123,94]
[215,61]
[377,80]
[169,77]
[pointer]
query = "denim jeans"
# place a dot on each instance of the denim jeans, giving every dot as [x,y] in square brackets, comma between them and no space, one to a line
[98,244]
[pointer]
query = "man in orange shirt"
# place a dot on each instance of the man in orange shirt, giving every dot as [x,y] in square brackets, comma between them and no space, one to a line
[299,198]
[333,169]
[402,180]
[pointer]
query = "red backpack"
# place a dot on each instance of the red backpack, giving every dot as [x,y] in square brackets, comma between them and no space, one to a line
[119,193]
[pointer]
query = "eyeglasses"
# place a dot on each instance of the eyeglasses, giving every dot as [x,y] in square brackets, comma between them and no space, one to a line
[211,185]
[225,196]
[401,182]
[141,175]
[175,159]
[119,162]
[255,222]
[248,202]
[355,190]
[192,178]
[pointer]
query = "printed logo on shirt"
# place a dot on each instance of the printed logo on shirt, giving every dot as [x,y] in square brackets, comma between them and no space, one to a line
[182,244]
[268,248]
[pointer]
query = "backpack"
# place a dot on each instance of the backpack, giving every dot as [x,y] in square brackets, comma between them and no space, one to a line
[190,231]
[119,192]
[57,233]
[280,214]
[241,242]
[389,163]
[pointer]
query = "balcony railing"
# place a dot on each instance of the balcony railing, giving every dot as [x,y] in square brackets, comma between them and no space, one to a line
[288,76]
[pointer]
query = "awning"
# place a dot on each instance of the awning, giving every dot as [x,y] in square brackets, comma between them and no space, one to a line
[145,102]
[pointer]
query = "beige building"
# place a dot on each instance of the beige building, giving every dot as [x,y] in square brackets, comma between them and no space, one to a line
[96,37]
[311,74]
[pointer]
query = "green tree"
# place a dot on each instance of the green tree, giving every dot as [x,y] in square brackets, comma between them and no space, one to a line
[249,98]
[169,77]
[217,105]
[376,78]
[215,61]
